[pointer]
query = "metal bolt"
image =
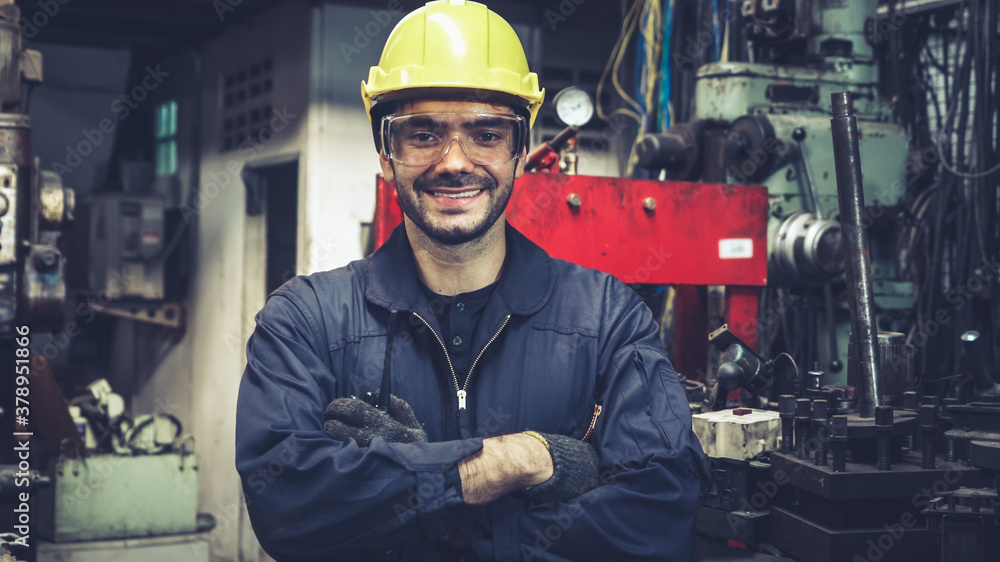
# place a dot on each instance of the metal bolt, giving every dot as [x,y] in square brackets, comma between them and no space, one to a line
[649,204]
[951,449]
[838,441]
[910,402]
[883,429]
[803,419]
[573,199]
[786,410]
[928,432]
[946,415]
[814,380]
[46,260]
[820,409]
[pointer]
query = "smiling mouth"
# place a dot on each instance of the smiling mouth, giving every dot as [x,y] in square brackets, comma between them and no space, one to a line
[461,195]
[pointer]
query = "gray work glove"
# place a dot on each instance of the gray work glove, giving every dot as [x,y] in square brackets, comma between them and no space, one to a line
[574,469]
[356,419]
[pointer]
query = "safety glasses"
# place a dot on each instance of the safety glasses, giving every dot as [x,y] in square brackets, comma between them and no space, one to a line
[422,139]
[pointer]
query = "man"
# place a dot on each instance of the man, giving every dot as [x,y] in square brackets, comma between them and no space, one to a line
[477,335]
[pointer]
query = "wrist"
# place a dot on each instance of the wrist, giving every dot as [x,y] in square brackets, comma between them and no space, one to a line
[505,464]
[537,460]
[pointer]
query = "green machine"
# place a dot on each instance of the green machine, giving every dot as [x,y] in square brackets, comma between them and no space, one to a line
[111,496]
[768,123]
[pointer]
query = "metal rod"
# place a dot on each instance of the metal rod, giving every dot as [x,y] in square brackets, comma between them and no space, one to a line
[834,365]
[853,223]
[799,136]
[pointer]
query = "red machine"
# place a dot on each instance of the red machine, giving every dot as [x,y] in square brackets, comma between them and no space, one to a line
[644,231]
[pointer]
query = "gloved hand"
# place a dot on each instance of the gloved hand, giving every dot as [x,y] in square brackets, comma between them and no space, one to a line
[356,419]
[575,468]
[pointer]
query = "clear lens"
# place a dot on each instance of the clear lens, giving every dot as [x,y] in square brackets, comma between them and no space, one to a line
[421,139]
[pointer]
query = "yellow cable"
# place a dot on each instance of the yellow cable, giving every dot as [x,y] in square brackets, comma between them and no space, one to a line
[619,45]
[652,35]
[724,54]
[621,56]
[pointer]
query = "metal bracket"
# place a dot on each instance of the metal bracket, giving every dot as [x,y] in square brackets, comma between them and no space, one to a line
[164,314]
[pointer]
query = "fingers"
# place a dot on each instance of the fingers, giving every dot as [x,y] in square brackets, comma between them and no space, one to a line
[401,411]
[341,431]
[398,433]
[350,418]
[347,409]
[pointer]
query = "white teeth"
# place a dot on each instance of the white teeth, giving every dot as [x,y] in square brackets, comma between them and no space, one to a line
[459,195]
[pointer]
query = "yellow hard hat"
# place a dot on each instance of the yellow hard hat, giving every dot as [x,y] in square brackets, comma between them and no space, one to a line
[453,45]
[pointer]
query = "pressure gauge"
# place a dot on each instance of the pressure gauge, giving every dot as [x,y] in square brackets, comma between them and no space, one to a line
[574,106]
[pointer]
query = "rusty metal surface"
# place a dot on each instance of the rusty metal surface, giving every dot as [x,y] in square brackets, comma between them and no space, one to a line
[854,223]
[679,242]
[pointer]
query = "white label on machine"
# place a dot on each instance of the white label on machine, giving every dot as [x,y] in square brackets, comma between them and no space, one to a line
[735,248]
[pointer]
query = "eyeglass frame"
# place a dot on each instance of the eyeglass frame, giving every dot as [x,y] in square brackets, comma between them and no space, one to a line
[522,137]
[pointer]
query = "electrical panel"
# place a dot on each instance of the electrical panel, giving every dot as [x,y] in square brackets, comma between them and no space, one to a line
[117,247]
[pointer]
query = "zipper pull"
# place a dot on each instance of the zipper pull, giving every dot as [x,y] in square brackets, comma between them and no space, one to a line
[461,399]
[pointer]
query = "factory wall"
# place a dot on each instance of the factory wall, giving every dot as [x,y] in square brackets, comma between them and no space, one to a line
[342,163]
[199,376]
[79,87]
[316,104]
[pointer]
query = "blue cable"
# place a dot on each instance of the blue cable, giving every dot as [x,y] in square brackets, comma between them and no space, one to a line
[665,69]
[716,31]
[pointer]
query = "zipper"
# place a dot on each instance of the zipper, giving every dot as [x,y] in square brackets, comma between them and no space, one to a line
[461,392]
[478,357]
[593,421]
[454,377]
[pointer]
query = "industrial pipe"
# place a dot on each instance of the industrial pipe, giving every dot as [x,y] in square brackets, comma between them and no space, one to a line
[851,198]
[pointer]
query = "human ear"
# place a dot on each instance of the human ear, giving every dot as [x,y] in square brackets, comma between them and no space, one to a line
[387,172]
[522,159]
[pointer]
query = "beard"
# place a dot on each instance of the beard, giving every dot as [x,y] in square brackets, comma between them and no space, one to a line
[454,234]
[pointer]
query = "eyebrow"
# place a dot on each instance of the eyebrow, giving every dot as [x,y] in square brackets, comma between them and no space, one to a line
[485,122]
[425,123]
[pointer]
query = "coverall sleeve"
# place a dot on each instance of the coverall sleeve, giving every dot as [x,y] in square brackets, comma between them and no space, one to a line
[652,466]
[314,498]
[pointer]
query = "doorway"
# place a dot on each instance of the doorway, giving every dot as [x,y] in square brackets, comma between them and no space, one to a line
[272,204]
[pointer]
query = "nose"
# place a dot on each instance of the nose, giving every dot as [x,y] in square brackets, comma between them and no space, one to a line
[455,160]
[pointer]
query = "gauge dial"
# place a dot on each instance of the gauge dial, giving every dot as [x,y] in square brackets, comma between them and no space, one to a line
[574,106]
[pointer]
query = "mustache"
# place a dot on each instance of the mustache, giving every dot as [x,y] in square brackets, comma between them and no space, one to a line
[428,184]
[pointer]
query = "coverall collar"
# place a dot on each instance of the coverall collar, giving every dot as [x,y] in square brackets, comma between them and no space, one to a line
[525,284]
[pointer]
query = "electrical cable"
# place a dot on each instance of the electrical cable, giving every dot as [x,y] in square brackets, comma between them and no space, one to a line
[665,106]
[628,26]
[646,70]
